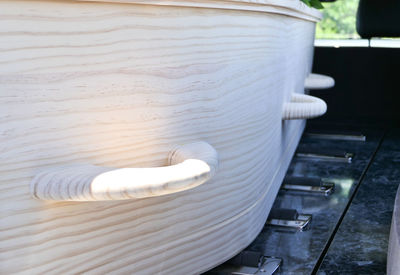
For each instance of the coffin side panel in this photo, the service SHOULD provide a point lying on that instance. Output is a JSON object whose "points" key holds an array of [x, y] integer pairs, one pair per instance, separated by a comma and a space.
{"points": [[120, 86]]}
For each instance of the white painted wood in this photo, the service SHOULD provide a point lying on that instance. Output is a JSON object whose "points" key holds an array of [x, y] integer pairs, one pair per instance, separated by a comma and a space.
{"points": [[191, 165], [318, 82], [293, 8], [303, 107], [119, 85]]}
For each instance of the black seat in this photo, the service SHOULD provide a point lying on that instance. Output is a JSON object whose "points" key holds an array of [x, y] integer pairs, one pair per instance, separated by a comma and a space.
{"points": [[378, 18]]}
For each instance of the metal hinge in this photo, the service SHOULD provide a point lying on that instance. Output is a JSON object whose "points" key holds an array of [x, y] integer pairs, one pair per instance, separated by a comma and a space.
{"points": [[308, 185]]}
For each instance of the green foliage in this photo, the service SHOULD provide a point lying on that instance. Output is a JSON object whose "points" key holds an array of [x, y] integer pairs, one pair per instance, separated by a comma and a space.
{"points": [[313, 3], [339, 20]]}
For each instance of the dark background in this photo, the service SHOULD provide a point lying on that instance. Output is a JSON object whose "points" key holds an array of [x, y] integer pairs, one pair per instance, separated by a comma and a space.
{"points": [[367, 83]]}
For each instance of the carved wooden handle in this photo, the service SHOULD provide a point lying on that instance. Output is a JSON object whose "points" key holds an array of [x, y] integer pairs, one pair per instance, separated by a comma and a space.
{"points": [[190, 165], [303, 107], [318, 82]]}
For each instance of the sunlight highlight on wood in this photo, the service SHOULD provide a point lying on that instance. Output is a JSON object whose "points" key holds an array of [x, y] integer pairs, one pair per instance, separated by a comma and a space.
{"points": [[191, 165]]}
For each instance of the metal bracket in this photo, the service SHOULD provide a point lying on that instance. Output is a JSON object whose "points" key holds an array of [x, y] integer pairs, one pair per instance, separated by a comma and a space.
{"points": [[289, 219], [326, 155], [266, 266], [308, 185], [337, 135]]}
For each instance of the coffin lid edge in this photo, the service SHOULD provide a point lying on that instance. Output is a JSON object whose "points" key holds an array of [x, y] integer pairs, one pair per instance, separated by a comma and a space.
{"points": [[293, 8]]}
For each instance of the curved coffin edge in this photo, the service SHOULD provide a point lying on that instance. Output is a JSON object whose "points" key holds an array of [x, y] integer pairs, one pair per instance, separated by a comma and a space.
{"points": [[190, 165], [318, 82], [258, 212], [303, 107], [393, 263], [285, 7]]}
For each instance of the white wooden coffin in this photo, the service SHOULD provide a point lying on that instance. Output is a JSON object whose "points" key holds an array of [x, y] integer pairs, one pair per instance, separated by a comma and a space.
{"points": [[209, 90]]}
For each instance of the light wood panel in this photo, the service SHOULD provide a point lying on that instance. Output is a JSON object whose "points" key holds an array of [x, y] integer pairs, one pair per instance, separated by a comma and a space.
{"points": [[119, 85]]}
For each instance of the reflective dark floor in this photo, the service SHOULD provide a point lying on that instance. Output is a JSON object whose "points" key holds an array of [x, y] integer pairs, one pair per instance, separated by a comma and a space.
{"points": [[360, 245], [350, 229]]}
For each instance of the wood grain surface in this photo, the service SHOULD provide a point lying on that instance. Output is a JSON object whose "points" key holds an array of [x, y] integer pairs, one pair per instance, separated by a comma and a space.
{"points": [[119, 85], [292, 8], [189, 166]]}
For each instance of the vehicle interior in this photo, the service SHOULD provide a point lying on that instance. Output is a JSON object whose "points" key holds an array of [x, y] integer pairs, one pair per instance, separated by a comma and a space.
{"points": [[199, 137]]}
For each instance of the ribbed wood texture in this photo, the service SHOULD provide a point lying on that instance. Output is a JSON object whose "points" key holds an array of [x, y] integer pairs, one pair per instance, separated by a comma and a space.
{"points": [[119, 85], [303, 107]]}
